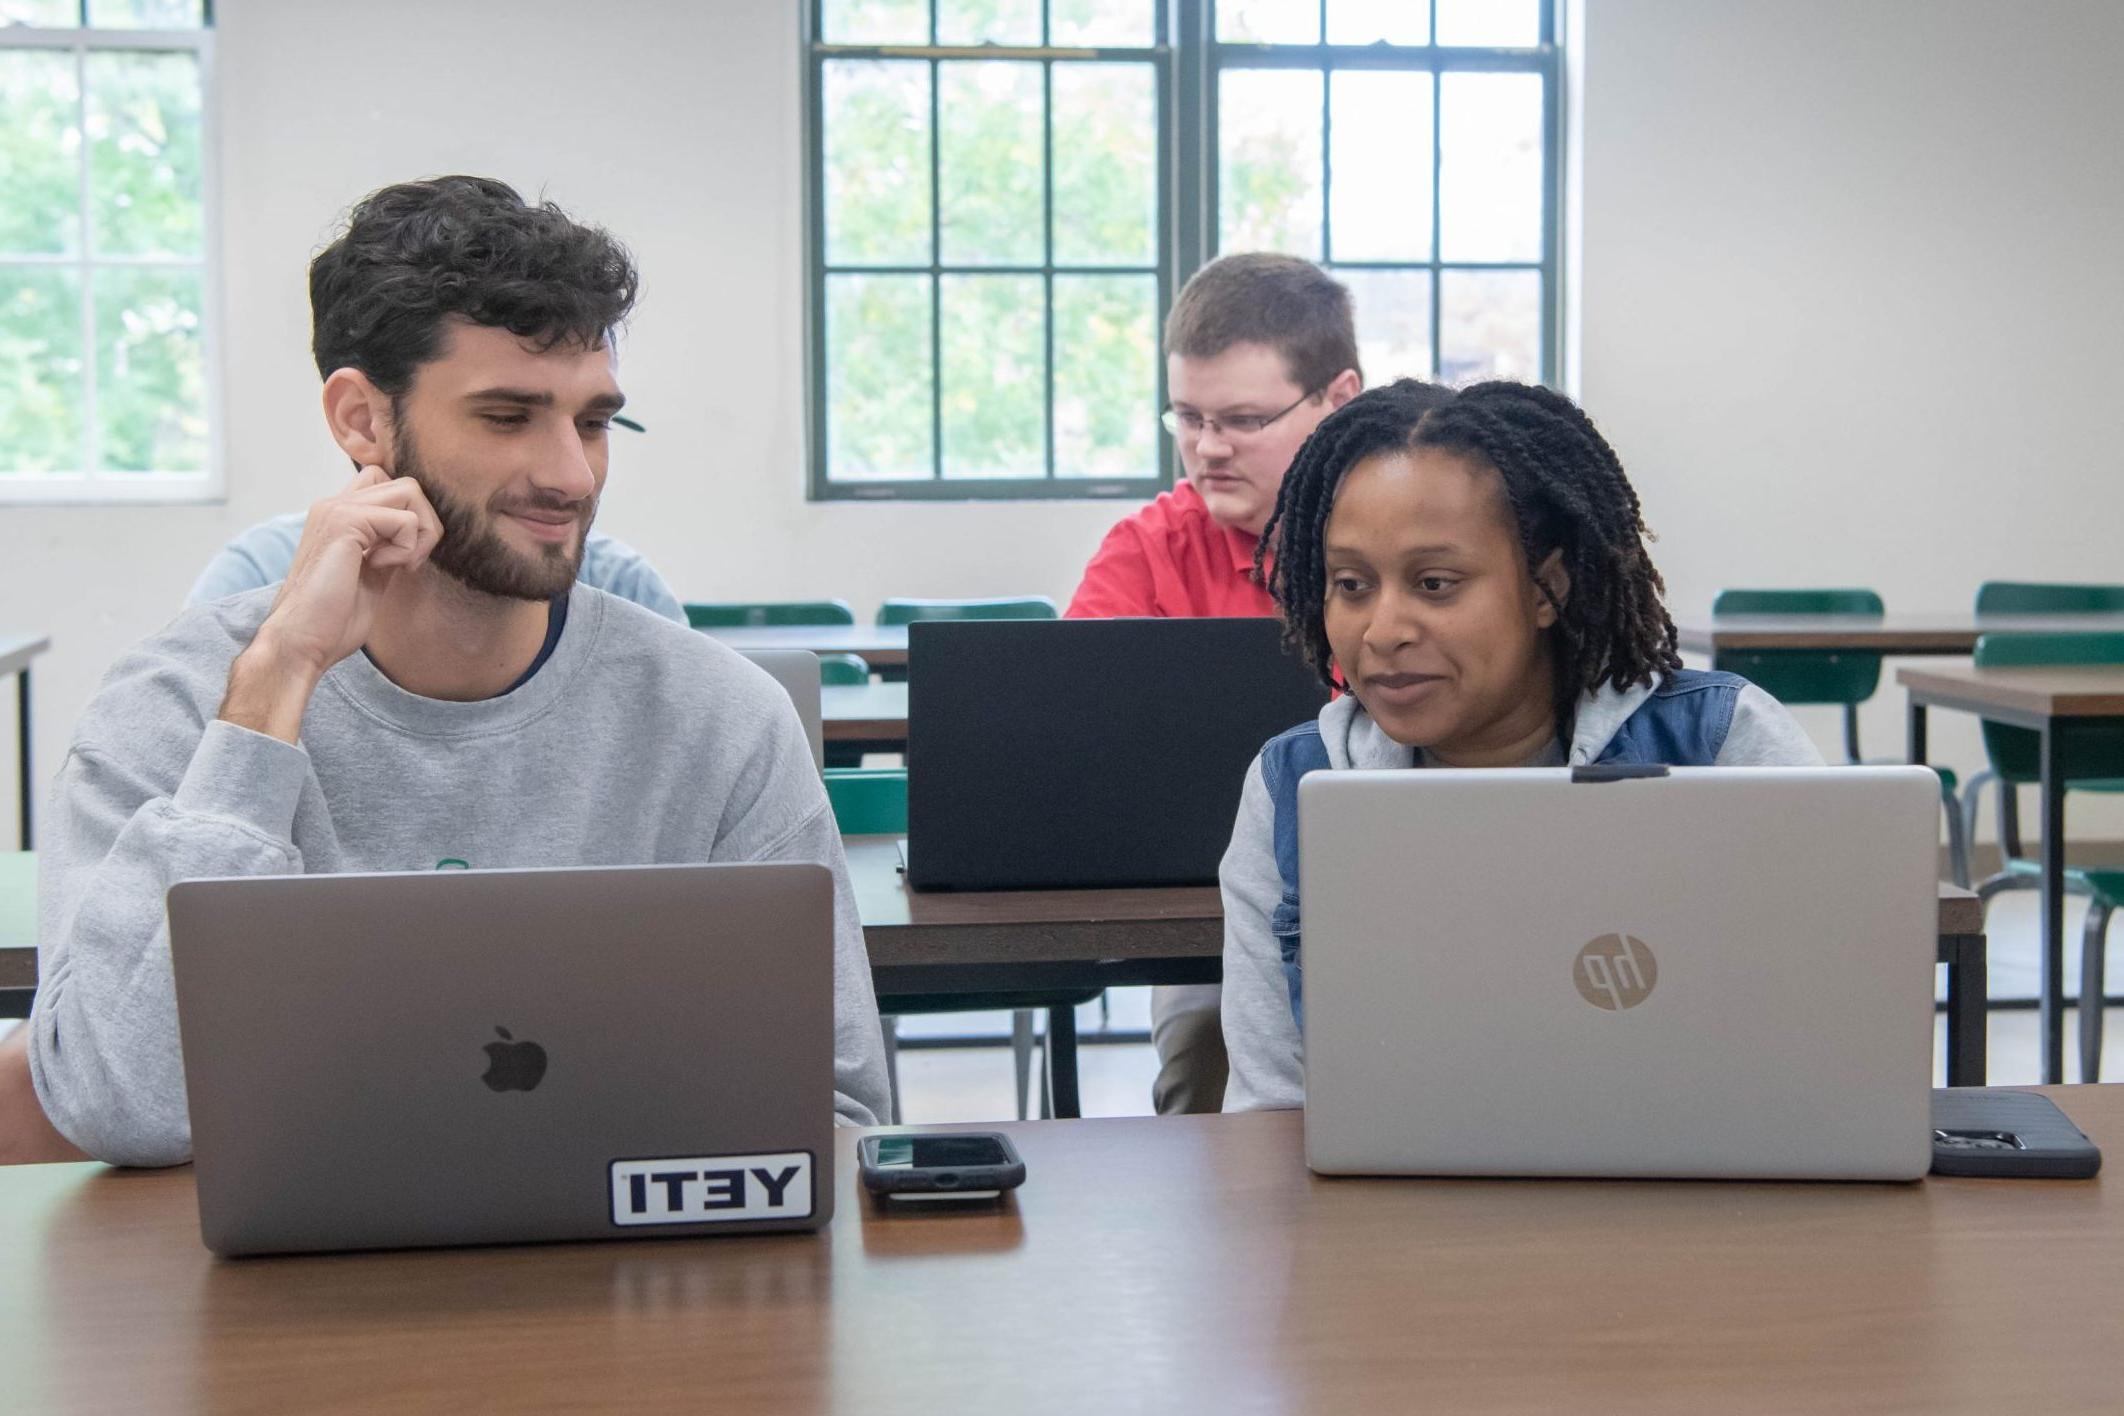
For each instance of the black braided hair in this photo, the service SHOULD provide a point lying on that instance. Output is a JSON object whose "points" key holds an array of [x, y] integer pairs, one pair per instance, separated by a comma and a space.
{"points": [[1568, 493]]}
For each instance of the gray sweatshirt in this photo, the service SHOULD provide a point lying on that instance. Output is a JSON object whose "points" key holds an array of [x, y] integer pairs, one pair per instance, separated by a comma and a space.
{"points": [[1267, 1054], [638, 742]]}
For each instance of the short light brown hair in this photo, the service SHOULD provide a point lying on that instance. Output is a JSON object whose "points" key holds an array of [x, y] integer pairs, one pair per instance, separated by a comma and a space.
{"points": [[1257, 297]]}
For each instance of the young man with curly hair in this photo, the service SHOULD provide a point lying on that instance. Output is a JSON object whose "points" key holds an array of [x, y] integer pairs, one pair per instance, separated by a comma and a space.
{"points": [[430, 682]]}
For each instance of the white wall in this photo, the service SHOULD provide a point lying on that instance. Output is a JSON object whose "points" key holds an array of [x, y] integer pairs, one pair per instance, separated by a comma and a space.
{"points": [[1849, 293], [1852, 295]]}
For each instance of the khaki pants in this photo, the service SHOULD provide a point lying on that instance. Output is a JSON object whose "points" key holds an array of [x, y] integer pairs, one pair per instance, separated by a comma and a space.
{"points": [[1187, 1028]]}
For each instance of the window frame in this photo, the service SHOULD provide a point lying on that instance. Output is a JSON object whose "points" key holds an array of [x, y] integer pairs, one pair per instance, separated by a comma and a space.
{"points": [[1189, 60], [93, 485]]}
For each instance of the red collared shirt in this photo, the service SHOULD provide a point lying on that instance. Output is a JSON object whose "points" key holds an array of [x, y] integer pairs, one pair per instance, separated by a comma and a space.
{"points": [[1172, 561]]}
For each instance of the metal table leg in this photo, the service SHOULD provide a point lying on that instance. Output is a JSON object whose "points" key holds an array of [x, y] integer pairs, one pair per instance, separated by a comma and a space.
{"points": [[2053, 984]]}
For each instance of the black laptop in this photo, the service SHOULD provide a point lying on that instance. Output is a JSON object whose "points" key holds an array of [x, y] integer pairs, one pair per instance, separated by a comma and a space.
{"points": [[1054, 753]]}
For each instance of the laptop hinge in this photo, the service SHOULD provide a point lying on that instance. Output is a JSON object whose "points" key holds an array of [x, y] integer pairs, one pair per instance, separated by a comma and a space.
{"points": [[1617, 771]]}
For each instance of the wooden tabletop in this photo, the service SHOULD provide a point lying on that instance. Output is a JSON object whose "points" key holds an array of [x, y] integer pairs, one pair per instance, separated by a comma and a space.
{"points": [[907, 929], [1151, 1264], [864, 712], [881, 644], [16, 650], [1884, 634], [2050, 692]]}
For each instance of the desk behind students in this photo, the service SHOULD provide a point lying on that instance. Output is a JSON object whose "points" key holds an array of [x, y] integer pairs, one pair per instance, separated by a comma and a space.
{"points": [[1176, 1263]]}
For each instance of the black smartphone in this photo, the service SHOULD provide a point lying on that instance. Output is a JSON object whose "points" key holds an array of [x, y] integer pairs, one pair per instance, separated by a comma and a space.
{"points": [[944, 1165], [1989, 1131]]}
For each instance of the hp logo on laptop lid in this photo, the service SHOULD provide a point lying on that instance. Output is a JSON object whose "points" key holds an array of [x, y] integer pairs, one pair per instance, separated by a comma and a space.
{"points": [[1615, 971]]}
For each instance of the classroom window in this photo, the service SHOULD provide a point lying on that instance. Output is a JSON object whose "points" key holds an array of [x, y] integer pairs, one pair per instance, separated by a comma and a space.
{"points": [[106, 284], [1004, 195]]}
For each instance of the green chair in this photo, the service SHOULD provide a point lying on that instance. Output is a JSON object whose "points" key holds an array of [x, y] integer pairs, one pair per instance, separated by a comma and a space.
{"points": [[1837, 677], [873, 802], [732, 615], [2026, 597], [844, 670], [2093, 760], [18, 921], [1032, 607]]}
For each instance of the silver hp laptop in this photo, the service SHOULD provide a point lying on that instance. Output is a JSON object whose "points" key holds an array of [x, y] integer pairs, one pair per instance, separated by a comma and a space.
{"points": [[797, 671], [479, 1057], [1714, 973]]}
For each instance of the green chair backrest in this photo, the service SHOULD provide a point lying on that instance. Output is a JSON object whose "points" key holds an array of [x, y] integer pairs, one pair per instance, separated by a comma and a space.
{"points": [[843, 669], [772, 612], [1802, 675], [2016, 753], [2023, 597], [868, 801], [1031, 607]]}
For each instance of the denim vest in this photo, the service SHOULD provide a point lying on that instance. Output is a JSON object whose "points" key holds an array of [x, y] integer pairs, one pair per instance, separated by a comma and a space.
{"points": [[1683, 724]]}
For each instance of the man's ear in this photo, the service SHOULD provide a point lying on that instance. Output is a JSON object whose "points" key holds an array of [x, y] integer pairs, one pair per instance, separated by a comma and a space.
{"points": [[359, 416], [1343, 387], [1556, 582]]}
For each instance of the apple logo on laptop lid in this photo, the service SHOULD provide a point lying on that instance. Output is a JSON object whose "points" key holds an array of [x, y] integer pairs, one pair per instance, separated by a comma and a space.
{"points": [[513, 1065]]}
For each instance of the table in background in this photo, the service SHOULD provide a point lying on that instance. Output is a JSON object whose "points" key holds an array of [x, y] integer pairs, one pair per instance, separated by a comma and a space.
{"points": [[883, 645], [1184, 1263], [2053, 703], [1874, 634], [871, 716], [16, 651]]}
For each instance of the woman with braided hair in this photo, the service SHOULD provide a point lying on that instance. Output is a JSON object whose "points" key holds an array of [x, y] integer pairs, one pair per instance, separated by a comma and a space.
{"points": [[1475, 575]]}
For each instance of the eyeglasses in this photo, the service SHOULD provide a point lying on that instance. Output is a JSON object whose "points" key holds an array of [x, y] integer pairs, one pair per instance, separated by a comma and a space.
{"points": [[1190, 424]]}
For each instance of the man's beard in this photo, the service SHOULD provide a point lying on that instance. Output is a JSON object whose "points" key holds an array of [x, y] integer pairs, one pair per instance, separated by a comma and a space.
{"points": [[472, 549]]}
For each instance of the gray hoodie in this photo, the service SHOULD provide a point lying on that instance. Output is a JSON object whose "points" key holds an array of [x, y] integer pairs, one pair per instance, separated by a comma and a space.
{"points": [[1261, 1036], [638, 742]]}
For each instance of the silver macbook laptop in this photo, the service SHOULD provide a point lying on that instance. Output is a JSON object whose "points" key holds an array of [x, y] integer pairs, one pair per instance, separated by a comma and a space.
{"points": [[477, 1057], [797, 671], [1713, 973]]}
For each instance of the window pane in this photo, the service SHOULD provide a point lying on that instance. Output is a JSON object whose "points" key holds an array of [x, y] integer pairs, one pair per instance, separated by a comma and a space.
{"points": [[1370, 21], [988, 21], [878, 377], [875, 22], [1393, 309], [40, 371], [1106, 169], [1268, 21], [1489, 178], [877, 162], [995, 376], [51, 14], [1119, 23], [990, 163], [40, 147], [1504, 23], [1106, 376], [144, 153], [1268, 163], [150, 371], [1381, 136], [1489, 325], [146, 14]]}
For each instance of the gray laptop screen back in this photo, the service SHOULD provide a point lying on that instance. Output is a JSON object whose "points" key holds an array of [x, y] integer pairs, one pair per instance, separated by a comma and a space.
{"points": [[1724, 972], [797, 671], [337, 1033]]}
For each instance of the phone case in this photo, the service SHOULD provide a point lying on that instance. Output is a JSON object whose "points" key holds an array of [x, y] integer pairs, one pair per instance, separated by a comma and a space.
{"points": [[942, 1181], [1993, 1132]]}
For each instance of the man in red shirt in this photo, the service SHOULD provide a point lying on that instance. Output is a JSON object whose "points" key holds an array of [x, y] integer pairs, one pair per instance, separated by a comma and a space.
{"points": [[1258, 349]]}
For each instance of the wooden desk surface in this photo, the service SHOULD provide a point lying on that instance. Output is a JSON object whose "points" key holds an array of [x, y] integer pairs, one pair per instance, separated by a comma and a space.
{"points": [[16, 650], [1153, 1264], [2063, 692], [1885, 634], [880, 644], [863, 712]]}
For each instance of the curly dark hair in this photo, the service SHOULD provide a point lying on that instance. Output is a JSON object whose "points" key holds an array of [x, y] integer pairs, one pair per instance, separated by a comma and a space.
{"points": [[416, 253], [1568, 493]]}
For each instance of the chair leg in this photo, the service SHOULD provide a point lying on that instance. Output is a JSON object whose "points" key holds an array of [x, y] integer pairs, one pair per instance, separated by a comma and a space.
{"points": [[892, 1069], [1851, 726], [1972, 800], [1021, 1052], [2009, 818], [1957, 843], [2092, 995]]}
